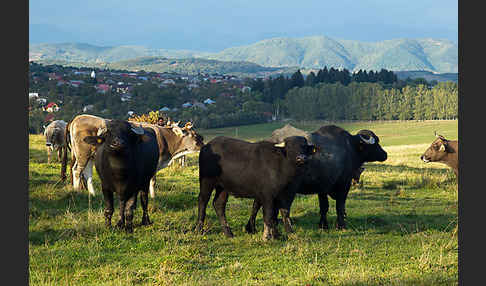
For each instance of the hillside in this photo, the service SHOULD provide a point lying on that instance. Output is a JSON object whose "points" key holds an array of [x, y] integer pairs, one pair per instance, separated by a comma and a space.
{"points": [[317, 52], [309, 52], [180, 66], [194, 66]]}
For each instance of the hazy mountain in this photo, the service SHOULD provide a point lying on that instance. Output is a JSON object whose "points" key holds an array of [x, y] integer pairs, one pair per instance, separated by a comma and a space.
{"points": [[317, 52], [308, 52]]}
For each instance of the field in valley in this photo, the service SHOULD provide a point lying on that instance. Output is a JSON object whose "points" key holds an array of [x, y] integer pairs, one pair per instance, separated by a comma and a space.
{"points": [[402, 225]]}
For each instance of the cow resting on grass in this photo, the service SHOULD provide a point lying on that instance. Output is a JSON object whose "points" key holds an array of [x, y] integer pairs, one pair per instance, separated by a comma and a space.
{"points": [[54, 134], [264, 171], [126, 159], [331, 171], [443, 151]]}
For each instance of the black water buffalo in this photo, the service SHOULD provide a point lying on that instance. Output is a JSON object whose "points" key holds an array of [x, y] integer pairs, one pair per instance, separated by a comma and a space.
{"points": [[443, 151], [278, 135], [126, 159], [263, 171], [331, 171]]}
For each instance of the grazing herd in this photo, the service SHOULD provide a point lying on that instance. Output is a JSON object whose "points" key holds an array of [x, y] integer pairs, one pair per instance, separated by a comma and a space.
{"points": [[127, 155]]}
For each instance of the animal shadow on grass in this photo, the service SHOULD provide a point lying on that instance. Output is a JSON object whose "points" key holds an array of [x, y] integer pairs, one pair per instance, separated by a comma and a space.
{"points": [[356, 225], [74, 201], [51, 236]]}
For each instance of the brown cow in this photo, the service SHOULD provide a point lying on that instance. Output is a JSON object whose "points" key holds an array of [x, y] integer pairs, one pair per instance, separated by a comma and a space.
{"points": [[443, 151], [174, 142], [82, 153]]}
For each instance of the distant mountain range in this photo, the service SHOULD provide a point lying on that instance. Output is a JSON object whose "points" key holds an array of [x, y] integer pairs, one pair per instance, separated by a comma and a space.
{"points": [[434, 55]]}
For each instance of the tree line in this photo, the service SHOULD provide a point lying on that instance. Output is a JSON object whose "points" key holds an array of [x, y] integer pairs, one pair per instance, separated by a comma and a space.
{"points": [[370, 101]]}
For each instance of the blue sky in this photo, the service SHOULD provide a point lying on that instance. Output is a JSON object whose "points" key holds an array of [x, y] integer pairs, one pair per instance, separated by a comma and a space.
{"points": [[215, 25]]}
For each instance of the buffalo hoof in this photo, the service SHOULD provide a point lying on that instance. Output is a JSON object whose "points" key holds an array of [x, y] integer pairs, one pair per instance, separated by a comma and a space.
{"points": [[227, 232], [323, 225], [120, 224], [341, 226], [250, 228], [146, 221], [269, 234], [129, 228]]}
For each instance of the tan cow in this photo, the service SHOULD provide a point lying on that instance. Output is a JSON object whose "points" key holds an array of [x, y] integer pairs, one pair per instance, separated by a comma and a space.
{"points": [[174, 142], [443, 151], [82, 153]]}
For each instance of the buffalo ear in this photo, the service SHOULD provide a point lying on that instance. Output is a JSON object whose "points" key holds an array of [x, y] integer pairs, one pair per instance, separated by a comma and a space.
{"points": [[94, 140]]}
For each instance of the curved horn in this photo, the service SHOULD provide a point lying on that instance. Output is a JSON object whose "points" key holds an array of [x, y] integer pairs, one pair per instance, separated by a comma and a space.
{"points": [[282, 144], [369, 141], [138, 130], [188, 125], [101, 130], [438, 135]]}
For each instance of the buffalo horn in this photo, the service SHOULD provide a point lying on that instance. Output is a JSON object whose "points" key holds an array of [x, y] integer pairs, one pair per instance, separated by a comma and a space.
{"points": [[369, 141], [101, 130], [188, 125]]}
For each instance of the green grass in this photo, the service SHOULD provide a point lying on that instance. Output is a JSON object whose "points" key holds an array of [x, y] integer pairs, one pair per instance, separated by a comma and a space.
{"points": [[402, 226]]}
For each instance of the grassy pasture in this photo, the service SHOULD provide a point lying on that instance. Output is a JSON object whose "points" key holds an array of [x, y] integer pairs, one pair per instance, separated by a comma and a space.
{"points": [[402, 226]]}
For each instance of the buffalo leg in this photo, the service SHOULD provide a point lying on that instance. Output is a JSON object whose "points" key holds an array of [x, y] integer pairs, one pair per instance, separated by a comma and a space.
{"points": [[285, 213], [341, 213], [144, 202], [283, 204], [323, 208], [129, 208], [108, 196], [340, 206], [121, 222], [270, 230], [205, 190], [219, 204], [250, 226]]}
